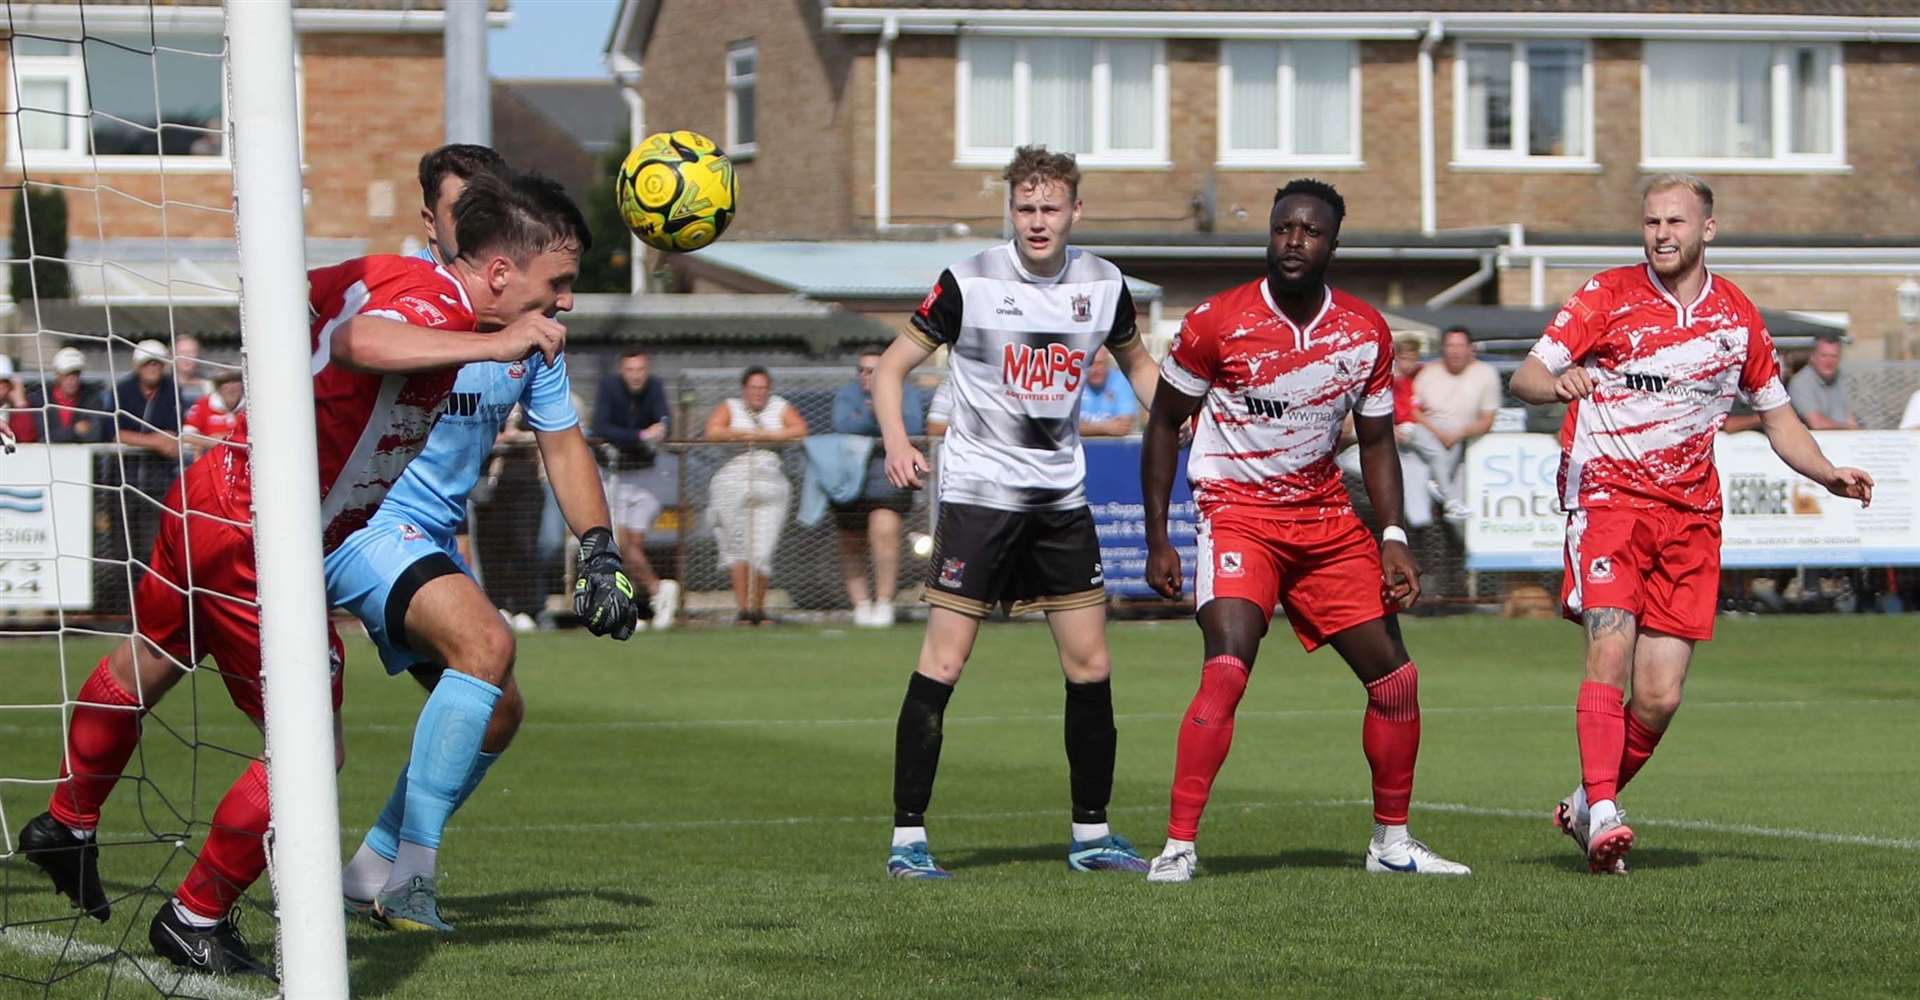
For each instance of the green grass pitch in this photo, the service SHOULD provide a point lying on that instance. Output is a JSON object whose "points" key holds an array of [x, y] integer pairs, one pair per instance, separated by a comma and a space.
{"points": [[705, 813]]}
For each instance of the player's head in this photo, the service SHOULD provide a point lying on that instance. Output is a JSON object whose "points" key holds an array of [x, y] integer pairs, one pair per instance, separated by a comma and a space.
{"points": [[756, 387], [1825, 359], [634, 364], [1456, 348], [444, 174], [1676, 223], [1406, 356], [522, 237], [229, 386], [1303, 230], [1043, 198], [865, 366]]}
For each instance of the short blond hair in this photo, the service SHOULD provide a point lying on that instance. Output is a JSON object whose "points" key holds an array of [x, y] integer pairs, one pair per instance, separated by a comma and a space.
{"points": [[1035, 165], [1669, 181]]}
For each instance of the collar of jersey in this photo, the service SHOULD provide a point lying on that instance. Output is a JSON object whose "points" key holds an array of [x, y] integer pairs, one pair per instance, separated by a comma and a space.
{"points": [[1034, 279], [455, 282], [1685, 312], [1303, 335]]}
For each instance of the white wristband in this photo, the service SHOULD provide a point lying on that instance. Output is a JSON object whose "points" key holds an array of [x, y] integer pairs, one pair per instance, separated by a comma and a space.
{"points": [[1393, 533]]}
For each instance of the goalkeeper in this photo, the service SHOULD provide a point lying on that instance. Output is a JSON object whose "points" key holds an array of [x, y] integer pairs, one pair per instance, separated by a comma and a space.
{"points": [[403, 577]]}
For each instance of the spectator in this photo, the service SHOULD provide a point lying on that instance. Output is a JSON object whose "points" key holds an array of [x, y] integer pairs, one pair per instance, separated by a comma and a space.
{"points": [[1107, 406], [1454, 402], [1816, 392], [146, 403], [872, 521], [1417, 502], [1909, 420], [630, 414], [214, 416], [17, 422], [74, 414], [194, 387], [749, 494]]}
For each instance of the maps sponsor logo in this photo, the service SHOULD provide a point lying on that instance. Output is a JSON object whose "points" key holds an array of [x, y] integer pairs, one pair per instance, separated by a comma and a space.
{"points": [[1054, 367]]}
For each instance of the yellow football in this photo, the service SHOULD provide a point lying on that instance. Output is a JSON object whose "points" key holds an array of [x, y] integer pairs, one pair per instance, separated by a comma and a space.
{"points": [[677, 191]]}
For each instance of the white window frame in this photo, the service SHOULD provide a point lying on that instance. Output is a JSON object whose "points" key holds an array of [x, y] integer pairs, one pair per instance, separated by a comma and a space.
{"points": [[735, 84], [1101, 156], [1262, 159], [72, 68], [1780, 83], [1516, 157]]}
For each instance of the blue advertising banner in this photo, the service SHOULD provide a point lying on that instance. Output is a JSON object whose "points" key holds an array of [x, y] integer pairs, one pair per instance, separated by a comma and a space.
{"points": [[1113, 494]]}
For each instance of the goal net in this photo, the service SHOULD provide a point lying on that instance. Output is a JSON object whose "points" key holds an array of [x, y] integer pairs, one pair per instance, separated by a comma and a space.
{"points": [[119, 330]]}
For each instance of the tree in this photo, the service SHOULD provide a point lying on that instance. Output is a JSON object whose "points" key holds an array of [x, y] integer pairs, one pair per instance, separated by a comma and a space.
{"points": [[605, 268], [45, 240]]}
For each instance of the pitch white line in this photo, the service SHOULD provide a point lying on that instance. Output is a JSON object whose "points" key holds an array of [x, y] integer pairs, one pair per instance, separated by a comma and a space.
{"points": [[1702, 826], [41, 944]]}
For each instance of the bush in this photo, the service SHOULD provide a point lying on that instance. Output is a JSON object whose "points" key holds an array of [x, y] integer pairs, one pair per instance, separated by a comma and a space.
{"points": [[47, 239], [605, 267]]}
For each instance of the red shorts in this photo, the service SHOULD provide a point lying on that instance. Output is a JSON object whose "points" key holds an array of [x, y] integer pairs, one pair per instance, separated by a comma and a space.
{"points": [[1323, 572], [201, 596], [1661, 565]]}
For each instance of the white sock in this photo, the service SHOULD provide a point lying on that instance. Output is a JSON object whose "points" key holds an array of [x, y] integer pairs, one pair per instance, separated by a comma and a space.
{"points": [[1175, 847], [1085, 832], [82, 834], [413, 859], [1580, 804], [192, 919], [1385, 834], [1600, 812], [907, 836], [366, 874]]}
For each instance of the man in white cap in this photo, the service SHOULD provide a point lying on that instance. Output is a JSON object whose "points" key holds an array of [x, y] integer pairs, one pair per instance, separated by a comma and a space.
{"points": [[147, 405], [72, 411]]}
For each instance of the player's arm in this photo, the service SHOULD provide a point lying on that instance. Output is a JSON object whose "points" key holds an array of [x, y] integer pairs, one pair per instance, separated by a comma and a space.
{"points": [[1143, 373], [1796, 447], [603, 597], [1159, 454], [1538, 385], [386, 343], [905, 463], [1380, 471]]}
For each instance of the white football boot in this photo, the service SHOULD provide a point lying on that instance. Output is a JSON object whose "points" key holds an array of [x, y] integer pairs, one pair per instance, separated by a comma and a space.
{"points": [[1177, 863], [1409, 857]]}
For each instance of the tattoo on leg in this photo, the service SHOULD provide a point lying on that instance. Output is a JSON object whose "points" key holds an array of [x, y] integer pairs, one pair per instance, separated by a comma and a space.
{"points": [[1608, 621]]}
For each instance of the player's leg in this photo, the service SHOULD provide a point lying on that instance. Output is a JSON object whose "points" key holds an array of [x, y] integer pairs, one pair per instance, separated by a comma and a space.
{"points": [[972, 556], [1607, 557], [1660, 664], [1236, 586], [1080, 634], [883, 539]]}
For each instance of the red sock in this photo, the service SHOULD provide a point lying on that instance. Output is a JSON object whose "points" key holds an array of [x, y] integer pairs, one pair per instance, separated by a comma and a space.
{"points": [[235, 852], [1390, 735], [1206, 734], [1599, 719], [1640, 743], [100, 741]]}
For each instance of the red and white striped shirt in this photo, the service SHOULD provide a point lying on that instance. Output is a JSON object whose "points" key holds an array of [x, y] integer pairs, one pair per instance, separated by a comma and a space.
{"points": [[1664, 376], [369, 425], [1276, 397]]}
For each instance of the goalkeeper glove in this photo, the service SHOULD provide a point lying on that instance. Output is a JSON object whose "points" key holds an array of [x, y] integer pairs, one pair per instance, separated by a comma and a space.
{"points": [[603, 597]]}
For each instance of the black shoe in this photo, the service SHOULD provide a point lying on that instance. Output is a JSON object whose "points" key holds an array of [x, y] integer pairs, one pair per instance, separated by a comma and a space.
{"points": [[219, 950], [72, 862], [745, 618]]}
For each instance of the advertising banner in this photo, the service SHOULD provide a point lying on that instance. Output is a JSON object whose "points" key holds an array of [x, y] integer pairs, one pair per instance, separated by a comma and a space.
{"points": [[46, 527], [1113, 494]]}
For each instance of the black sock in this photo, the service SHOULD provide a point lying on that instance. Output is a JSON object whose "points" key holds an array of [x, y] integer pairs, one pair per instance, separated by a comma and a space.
{"points": [[1090, 748], [916, 748]]}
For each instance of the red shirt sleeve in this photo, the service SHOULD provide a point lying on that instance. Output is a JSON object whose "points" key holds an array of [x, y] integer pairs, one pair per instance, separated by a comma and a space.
{"points": [[1194, 361], [1760, 373], [1378, 400], [1576, 328]]}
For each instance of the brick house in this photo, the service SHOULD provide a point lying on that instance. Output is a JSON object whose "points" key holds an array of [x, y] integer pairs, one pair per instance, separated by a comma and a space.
{"points": [[889, 119], [371, 85]]}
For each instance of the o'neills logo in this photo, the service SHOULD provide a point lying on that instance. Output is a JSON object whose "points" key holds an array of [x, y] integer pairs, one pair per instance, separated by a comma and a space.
{"points": [[1034, 369]]}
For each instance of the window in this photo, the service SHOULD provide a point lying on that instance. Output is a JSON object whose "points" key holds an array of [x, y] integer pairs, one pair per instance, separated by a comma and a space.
{"points": [[149, 97], [1768, 105], [743, 60], [1291, 102], [1523, 104], [1102, 100]]}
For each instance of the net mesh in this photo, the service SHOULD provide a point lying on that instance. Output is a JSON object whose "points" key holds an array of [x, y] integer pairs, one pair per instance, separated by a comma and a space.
{"points": [[115, 134]]}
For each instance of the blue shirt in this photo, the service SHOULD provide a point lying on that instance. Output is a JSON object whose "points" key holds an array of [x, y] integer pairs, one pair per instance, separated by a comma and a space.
{"points": [[432, 493], [853, 411], [1115, 399]]}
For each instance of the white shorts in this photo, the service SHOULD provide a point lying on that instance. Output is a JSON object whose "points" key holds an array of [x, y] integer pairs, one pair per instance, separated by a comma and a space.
{"points": [[632, 504]]}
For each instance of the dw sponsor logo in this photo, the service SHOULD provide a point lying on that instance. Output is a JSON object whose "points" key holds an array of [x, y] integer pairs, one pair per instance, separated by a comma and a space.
{"points": [[1646, 383], [23, 500], [1271, 408], [1032, 369]]}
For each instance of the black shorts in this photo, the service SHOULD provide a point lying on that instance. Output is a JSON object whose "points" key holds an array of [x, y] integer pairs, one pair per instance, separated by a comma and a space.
{"points": [[1034, 560]]}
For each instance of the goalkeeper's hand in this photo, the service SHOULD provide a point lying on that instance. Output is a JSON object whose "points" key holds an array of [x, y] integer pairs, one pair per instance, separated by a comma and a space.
{"points": [[603, 597]]}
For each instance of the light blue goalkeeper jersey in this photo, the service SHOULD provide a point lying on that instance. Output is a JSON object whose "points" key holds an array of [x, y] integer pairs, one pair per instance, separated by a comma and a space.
{"points": [[432, 493]]}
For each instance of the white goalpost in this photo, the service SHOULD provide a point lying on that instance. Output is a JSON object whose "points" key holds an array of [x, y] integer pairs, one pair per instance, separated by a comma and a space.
{"points": [[304, 843]]}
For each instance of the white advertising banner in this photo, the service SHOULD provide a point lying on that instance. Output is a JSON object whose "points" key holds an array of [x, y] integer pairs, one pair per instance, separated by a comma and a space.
{"points": [[46, 527], [1772, 515]]}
